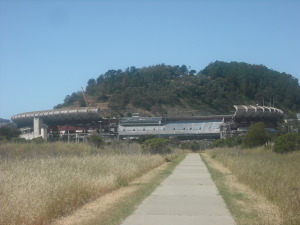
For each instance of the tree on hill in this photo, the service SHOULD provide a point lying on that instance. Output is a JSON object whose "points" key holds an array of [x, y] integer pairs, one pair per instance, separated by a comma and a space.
{"points": [[4, 121], [216, 88], [256, 82]]}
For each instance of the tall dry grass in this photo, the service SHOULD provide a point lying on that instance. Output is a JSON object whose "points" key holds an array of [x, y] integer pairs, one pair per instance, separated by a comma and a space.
{"points": [[31, 150], [37, 187], [276, 176]]}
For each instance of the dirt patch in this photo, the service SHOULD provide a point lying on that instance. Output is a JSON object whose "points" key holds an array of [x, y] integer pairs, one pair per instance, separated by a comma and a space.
{"points": [[106, 201], [252, 203]]}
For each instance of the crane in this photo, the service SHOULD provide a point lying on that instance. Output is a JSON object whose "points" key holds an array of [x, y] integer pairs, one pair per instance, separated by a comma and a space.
{"points": [[86, 102]]}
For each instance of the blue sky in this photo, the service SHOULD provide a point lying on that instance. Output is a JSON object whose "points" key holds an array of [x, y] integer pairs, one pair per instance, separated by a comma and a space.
{"points": [[49, 49]]}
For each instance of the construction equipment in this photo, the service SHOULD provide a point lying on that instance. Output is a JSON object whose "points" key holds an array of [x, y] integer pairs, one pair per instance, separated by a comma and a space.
{"points": [[85, 100]]}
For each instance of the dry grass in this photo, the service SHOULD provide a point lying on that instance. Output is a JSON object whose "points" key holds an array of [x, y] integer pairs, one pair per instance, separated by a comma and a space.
{"points": [[246, 205], [272, 175], [36, 187], [57, 149], [99, 209]]}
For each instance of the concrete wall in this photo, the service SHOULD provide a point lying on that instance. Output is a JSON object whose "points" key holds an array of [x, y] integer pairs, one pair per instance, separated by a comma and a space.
{"points": [[39, 130], [29, 136]]}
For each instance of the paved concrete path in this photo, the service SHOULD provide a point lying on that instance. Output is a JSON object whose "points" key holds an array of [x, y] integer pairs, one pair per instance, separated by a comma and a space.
{"points": [[187, 197]]}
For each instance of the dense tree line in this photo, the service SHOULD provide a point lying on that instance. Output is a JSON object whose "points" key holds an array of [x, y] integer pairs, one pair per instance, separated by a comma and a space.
{"points": [[214, 89], [255, 83]]}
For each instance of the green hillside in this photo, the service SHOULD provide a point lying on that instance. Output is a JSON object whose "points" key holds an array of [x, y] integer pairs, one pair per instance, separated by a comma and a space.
{"points": [[175, 90]]}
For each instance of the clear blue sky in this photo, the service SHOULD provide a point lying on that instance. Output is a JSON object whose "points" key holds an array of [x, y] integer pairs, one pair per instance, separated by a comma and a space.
{"points": [[49, 49]]}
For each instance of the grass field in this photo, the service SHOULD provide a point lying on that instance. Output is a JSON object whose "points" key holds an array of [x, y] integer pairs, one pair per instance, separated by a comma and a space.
{"points": [[39, 183], [275, 176]]}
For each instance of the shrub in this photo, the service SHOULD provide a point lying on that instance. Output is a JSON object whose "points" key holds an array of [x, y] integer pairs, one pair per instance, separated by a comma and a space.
{"points": [[6, 133], [287, 143], [174, 142], [38, 140], [156, 146], [228, 142], [95, 141], [144, 138], [193, 145], [219, 143], [18, 140], [257, 135]]}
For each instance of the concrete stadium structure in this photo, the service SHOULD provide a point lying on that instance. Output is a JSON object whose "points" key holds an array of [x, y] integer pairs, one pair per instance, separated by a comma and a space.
{"points": [[36, 124], [182, 127], [75, 124], [244, 116]]}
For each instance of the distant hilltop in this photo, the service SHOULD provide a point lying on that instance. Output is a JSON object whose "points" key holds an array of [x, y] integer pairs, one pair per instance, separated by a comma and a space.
{"points": [[179, 91], [5, 122]]}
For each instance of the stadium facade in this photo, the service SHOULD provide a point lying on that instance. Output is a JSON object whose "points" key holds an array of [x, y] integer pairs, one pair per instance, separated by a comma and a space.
{"points": [[76, 124]]}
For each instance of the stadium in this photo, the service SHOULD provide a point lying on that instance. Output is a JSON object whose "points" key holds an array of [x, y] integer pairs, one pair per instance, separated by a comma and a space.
{"points": [[76, 124]]}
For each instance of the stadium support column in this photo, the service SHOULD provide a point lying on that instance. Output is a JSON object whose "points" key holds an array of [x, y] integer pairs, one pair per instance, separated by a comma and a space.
{"points": [[44, 132], [37, 126]]}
